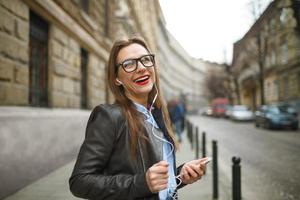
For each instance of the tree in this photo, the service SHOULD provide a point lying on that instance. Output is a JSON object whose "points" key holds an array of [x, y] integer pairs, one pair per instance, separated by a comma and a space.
{"points": [[216, 84], [261, 45]]}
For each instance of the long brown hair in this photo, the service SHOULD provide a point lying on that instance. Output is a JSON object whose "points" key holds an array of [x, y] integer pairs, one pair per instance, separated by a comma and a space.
{"points": [[133, 117]]}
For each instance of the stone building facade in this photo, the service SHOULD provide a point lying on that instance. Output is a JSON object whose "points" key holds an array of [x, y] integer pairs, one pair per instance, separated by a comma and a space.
{"points": [[54, 53], [266, 61], [13, 54]]}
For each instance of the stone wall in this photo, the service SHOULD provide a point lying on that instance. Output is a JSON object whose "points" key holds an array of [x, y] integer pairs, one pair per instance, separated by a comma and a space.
{"points": [[65, 71], [66, 38], [14, 39], [97, 81]]}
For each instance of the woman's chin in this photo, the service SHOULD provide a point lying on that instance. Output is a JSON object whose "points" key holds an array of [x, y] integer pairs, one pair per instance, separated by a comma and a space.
{"points": [[145, 90]]}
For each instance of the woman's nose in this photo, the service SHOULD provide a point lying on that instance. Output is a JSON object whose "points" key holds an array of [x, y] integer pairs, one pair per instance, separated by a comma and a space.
{"points": [[140, 66]]}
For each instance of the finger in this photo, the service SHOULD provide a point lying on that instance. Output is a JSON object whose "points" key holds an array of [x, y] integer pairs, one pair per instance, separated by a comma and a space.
{"points": [[162, 163], [186, 177], [160, 187], [197, 169], [201, 160], [203, 167], [156, 176], [159, 170], [158, 182], [191, 171], [184, 174]]}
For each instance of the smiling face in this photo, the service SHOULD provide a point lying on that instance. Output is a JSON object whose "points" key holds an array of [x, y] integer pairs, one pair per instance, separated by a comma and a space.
{"points": [[138, 83]]}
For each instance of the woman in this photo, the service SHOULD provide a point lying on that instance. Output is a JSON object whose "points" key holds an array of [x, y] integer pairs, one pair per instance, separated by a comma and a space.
{"points": [[129, 148]]}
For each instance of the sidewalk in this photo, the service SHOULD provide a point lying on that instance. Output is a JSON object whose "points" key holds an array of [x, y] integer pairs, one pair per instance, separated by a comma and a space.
{"points": [[35, 142], [55, 186], [201, 190]]}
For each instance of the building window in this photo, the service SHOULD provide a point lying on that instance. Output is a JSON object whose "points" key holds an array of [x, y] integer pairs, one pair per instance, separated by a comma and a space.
{"points": [[284, 53], [286, 87], [283, 16], [38, 61], [272, 26], [267, 89], [266, 29], [276, 90], [279, 88], [298, 81], [106, 13], [85, 5], [273, 57], [84, 88]]}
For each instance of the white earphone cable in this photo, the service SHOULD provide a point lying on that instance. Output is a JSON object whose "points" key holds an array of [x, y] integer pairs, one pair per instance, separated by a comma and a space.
{"points": [[175, 195]]}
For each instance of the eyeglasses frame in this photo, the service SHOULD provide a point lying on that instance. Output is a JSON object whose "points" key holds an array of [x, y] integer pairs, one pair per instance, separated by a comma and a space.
{"points": [[137, 60]]}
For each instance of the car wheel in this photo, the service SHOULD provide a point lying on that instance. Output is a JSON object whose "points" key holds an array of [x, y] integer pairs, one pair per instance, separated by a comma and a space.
{"points": [[268, 125], [295, 128], [256, 124]]}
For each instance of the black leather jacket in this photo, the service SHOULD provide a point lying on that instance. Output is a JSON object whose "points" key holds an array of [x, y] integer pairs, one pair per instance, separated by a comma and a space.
{"points": [[104, 168]]}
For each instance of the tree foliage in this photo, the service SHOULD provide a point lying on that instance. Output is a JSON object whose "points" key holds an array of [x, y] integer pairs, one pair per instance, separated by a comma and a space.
{"points": [[216, 84]]}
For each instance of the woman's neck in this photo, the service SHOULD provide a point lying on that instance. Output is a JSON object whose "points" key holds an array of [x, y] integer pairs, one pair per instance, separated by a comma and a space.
{"points": [[140, 100]]}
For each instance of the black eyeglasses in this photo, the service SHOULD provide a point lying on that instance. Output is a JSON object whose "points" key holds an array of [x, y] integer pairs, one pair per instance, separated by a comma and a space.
{"points": [[130, 65]]}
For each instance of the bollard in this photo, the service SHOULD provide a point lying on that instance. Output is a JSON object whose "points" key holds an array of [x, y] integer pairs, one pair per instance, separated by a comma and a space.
{"points": [[188, 131], [215, 170], [236, 178], [197, 143], [192, 136], [203, 144]]}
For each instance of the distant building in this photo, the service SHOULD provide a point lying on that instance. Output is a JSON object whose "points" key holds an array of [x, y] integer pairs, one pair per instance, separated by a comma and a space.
{"points": [[181, 75], [268, 57]]}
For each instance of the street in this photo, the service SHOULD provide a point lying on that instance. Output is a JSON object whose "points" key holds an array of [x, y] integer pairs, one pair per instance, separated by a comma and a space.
{"points": [[270, 158]]}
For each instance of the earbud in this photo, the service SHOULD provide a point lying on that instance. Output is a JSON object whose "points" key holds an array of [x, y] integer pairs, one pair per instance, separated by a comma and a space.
{"points": [[119, 81]]}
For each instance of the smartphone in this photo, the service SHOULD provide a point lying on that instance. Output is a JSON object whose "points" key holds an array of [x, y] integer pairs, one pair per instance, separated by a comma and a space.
{"points": [[208, 159]]}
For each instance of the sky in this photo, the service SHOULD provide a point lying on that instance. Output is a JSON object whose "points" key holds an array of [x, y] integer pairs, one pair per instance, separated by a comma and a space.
{"points": [[207, 29]]}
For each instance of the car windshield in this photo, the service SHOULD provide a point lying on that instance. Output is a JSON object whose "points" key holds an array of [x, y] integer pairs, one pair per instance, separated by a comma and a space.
{"points": [[228, 107], [240, 108], [279, 109]]}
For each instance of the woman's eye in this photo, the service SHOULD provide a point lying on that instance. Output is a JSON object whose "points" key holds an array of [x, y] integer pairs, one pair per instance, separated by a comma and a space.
{"points": [[129, 63], [146, 59]]}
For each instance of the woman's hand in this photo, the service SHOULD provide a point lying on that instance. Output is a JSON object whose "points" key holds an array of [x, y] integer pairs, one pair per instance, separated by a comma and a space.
{"points": [[157, 176], [193, 171]]}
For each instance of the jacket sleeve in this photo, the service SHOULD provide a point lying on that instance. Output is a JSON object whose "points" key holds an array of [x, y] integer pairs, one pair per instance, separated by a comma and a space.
{"points": [[181, 184], [88, 180]]}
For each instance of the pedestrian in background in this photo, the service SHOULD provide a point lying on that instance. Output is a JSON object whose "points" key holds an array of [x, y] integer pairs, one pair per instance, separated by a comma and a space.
{"points": [[129, 146], [177, 115]]}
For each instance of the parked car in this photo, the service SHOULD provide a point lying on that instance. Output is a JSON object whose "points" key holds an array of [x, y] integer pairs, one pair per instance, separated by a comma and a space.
{"points": [[290, 109], [206, 111], [228, 111], [218, 106], [276, 116], [241, 113]]}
